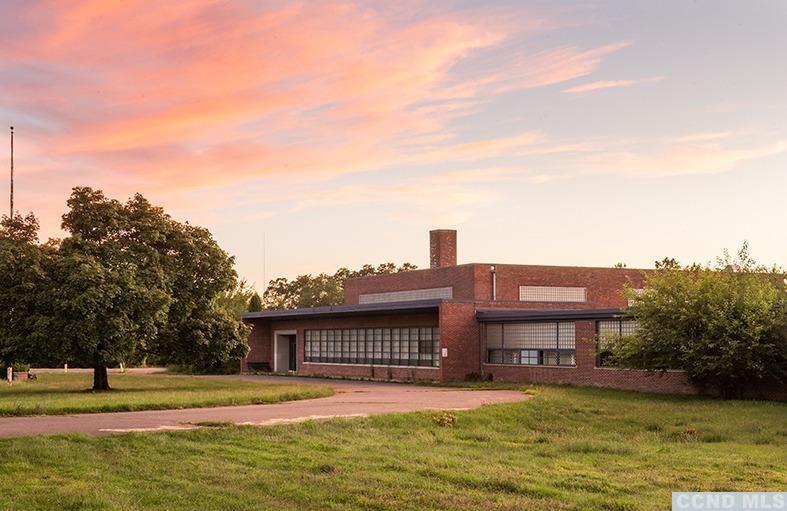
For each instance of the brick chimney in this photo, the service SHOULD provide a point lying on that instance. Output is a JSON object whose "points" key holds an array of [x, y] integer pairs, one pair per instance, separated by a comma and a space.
{"points": [[442, 248]]}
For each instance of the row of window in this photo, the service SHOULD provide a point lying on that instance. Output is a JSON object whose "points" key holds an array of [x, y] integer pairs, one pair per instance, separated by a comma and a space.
{"points": [[405, 346], [549, 343], [532, 357]]}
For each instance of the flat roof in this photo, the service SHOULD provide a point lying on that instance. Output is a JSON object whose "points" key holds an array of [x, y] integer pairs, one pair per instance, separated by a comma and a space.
{"points": [[511, 265], [488, 315], [347, 310]]}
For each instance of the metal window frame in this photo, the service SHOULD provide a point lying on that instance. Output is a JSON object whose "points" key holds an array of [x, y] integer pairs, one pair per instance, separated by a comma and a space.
{"points": [[413, 343], [541, 351]]}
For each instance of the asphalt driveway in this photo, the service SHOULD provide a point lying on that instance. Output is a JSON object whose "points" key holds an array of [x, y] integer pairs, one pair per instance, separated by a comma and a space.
{"points": [[352, 399]]}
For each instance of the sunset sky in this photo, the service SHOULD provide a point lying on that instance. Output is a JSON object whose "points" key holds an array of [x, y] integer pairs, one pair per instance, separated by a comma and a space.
{"points": [[341, 132]]}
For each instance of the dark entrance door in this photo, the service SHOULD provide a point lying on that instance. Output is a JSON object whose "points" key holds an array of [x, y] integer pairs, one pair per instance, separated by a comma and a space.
{"points": [[293, 354]]}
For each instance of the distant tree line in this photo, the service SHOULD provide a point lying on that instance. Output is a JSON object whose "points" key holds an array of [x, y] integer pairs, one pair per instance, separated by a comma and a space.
{"points": [[322, 289], [127, 283]]}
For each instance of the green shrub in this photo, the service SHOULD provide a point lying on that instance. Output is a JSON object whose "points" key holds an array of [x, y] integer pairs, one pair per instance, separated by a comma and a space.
{"points": [[725, 326]]}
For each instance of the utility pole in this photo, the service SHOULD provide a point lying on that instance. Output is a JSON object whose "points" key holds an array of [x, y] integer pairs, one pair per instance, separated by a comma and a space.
{"points": [[11, 215]]}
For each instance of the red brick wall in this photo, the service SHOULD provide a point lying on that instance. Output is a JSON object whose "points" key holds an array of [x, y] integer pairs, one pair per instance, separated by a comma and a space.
{"points": [[459, 277], [460, 334], [604, 285], [586, 372], [260, 344], [473, 282], [372, 372]]}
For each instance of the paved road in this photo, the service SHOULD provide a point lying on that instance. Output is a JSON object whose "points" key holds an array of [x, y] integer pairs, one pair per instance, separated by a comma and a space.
{"points": [[352, 399]]}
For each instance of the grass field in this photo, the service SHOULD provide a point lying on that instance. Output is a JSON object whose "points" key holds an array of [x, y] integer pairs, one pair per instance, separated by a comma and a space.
{"points": [[567, 448], [53, 394]]}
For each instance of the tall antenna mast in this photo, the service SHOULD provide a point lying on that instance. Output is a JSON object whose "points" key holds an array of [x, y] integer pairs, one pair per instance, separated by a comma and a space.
{"points": [[264, 276], [11, 216]]}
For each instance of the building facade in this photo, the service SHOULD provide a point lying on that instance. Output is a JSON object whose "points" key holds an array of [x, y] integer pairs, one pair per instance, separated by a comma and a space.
{"points": [[522, 323]]}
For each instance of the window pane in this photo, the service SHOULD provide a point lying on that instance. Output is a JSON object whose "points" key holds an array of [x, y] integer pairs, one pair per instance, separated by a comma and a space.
{"points": [[510, 357], [494, 335], [529, 357], [567, 336], [536, 335], [568, 358]]}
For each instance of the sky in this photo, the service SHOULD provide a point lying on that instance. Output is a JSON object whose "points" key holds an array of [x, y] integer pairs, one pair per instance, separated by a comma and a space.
{"points": [[312, 135]]}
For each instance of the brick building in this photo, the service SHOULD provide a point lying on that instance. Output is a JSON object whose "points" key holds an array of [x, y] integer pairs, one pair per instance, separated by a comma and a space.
{"points": [[539, 324]]}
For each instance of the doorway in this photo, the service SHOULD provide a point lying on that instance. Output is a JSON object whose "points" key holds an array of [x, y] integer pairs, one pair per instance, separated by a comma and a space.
{"points": [[285, 352]]}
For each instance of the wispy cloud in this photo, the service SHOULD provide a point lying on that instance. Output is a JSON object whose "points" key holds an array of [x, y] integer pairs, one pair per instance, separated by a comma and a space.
{"points": [[673, 156], [180, 99], [704, 137], [608, 84], [211, 92]]}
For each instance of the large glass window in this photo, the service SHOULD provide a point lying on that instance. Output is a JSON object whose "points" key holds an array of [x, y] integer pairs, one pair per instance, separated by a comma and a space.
{"points": [[607, 331], [551, 343], [405, 346]]}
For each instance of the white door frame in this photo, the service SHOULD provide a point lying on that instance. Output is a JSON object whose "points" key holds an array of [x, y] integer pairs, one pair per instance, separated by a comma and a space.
{"points": [[276, 334]]}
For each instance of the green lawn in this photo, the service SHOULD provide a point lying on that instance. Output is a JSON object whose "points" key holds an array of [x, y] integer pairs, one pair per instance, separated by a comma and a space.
{"points": [[567, 448], [53, 394]]}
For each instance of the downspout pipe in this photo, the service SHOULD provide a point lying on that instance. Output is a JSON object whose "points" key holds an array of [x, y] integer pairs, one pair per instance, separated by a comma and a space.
{"points": [[494, 283]]}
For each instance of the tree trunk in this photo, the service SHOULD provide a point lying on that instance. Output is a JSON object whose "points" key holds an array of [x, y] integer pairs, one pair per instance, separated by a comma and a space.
{"points": [[100, 379]]}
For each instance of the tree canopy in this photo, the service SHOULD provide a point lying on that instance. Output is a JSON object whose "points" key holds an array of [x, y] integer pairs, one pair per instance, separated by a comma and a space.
{"points": [[725, 325], [127, 282], [236, 300], [255, 303], [24, 284], [322, 289]]}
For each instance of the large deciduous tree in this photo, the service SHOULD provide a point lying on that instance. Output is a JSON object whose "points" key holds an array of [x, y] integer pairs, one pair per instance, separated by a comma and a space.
{"points": [[726, 326], [236, 300], [200, 333], [128, 281], [24, 287], [322, 289], [110, 295]]}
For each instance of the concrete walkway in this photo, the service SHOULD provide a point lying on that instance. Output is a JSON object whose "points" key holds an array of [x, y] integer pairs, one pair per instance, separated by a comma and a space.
{"points": [[352, 399]]}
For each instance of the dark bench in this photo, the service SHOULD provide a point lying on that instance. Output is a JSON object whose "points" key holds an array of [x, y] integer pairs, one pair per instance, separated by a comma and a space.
{"points": [[259, 367]]}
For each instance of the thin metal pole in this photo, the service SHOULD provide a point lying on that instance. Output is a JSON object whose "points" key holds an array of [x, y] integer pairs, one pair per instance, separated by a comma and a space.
{"points": [[264, 264], [12, 173]]}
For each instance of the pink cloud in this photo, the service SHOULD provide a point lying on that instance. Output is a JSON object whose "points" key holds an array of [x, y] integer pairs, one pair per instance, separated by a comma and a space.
{"points": [[210, 92], [167, 97], [608, 84]]}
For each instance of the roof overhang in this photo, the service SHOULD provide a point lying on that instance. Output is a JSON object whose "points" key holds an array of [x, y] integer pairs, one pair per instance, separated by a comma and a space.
{"points": [[365, 309], [503, 315]]}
